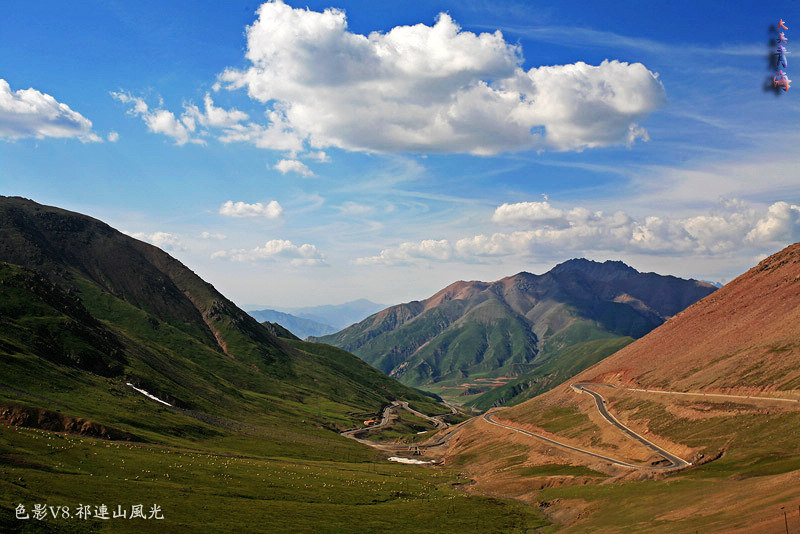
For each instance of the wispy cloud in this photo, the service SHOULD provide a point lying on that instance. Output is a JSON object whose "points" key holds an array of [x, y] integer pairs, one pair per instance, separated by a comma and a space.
{"points": [[163, 240], [195, 125], [587, 37], [355, 209], [213, 235]]}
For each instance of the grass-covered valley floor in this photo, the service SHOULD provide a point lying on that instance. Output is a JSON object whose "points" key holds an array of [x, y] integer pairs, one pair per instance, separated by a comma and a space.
{"points": [[200, 489]]}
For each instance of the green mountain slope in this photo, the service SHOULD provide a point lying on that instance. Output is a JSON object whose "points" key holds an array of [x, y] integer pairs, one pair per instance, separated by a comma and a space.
{"points": [[562, 365], [472, 336], [246, 438], [86, 310]]}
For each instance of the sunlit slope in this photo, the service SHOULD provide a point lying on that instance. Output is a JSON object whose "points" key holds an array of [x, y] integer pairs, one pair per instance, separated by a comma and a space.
{"points": [[744, 337], [513, 326], [723, 390]]}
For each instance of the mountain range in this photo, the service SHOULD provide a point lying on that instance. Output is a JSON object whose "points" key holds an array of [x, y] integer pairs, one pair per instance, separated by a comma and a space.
{"points": [[744, 337], [299, 326], [471, 336], [337, 316]]}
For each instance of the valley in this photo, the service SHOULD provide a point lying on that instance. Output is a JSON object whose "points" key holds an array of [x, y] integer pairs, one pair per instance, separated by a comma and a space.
{"points": [[247, 417], [142, 385]]}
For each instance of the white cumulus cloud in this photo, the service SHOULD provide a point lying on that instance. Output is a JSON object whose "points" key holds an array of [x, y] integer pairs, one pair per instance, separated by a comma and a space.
{"points": [[194, 124], [432, 88], [293, 165], [31, 113], [526, 211], [271, 210], [320, 156], [782, 221], [543, 230], [273, 250], [162, 121]]}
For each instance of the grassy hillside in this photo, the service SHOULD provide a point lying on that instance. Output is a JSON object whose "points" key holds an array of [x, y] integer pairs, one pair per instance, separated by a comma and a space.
{"points": [[251, 436], [473, 336], [562, 365]]}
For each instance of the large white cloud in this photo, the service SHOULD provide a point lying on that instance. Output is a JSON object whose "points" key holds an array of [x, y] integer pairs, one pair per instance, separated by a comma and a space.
{"points": [[274, 250], [432, 88], [271, 210], [31, 113], [544, 230]]}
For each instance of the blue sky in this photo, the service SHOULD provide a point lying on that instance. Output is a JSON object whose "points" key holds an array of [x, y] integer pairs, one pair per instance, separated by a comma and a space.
{"points": [[339, 150]]}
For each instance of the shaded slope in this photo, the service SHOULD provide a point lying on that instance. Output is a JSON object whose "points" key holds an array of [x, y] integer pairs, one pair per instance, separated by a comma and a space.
{"points": [[87, 304], [54, 325], [564, 364]]}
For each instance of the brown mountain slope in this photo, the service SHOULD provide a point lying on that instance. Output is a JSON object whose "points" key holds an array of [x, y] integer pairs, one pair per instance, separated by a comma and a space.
{"points": [[742, 346], [744, 337]]}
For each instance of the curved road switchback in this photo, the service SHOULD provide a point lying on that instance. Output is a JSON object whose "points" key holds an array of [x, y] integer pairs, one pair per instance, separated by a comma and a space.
{"points": [[675, 462], [385, 416], [383, 422]]}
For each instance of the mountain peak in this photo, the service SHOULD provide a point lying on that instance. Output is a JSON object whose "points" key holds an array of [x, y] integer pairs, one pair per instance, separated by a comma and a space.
{"points": [[607, 270]]}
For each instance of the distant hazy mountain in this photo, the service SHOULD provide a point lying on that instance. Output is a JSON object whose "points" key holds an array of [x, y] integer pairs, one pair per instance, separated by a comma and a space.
{"points": [[299, 326], [337, 315], [510, 327]]}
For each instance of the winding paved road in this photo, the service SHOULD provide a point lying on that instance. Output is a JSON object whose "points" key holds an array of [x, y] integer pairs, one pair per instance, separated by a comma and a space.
{"points": [[383, 422], [675, 462], [385, 415]]}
